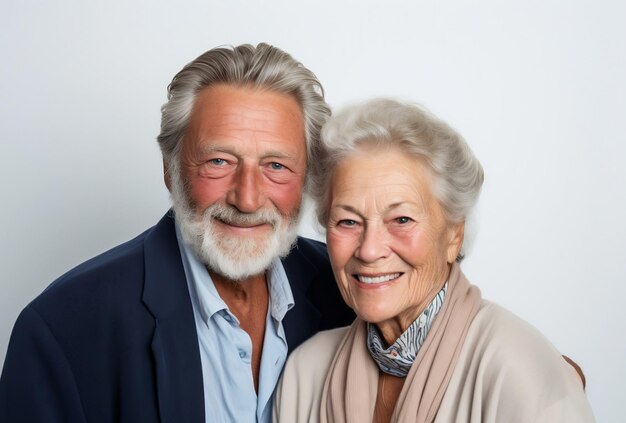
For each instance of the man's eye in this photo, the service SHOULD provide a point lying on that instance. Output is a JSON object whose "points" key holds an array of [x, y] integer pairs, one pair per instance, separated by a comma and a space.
{"points": [[276, 166], [217, 162]]}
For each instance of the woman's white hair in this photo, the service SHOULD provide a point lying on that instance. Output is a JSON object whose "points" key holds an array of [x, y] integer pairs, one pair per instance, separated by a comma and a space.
{"points": [[262, 67], [457, 174]]}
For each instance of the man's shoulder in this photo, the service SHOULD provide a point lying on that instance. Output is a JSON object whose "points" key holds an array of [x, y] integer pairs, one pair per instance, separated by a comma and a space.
{"points": [[112, 276], [127, 254], [313, 250], [319, 304], [308, 257]]}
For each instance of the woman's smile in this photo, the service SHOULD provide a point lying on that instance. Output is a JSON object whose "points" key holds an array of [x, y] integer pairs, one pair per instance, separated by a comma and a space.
{"points": [[372, 279]]}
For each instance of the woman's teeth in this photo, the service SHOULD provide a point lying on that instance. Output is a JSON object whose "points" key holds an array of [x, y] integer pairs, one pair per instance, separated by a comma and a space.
{"points": [[377, 279]]}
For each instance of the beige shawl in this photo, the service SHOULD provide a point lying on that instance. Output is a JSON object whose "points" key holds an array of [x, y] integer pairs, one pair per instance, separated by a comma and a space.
{"points": [[350, 389]]}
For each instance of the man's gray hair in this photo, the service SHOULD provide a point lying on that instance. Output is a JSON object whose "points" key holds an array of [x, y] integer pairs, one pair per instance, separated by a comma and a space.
{"points": [[457, 174], [262, 67]]}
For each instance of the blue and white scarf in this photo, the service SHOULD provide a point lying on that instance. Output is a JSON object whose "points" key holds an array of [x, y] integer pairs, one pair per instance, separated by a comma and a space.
{"points": [[399, 357]]}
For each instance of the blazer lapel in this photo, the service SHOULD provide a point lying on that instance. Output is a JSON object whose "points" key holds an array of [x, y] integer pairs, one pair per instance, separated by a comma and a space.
{"points": [[303, 320], [175, 342]]}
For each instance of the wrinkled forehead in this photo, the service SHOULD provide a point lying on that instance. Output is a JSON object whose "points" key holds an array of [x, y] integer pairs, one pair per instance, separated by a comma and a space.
{"points": [[382, 173], [225, 113]]}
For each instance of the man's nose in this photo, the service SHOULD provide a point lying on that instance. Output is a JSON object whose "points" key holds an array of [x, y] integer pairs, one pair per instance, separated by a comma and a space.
{"points": [[247, 192]]}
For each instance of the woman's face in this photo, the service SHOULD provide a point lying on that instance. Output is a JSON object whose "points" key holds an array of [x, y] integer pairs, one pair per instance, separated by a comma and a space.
{"points": [[389, 243]]}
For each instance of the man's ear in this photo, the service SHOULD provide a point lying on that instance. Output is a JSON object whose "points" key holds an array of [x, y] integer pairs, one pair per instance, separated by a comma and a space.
{"points": [[457, 234], [166, 176]]}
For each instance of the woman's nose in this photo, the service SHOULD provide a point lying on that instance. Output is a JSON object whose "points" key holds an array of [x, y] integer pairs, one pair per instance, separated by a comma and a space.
{"points": [[374, 244]]}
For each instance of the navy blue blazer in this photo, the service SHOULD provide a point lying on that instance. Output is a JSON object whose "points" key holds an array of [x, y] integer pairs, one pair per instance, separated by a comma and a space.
{"points": [[115, 340]]}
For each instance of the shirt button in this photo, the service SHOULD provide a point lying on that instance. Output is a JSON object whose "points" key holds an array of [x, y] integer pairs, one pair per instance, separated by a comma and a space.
{"points": [[242, 354]]}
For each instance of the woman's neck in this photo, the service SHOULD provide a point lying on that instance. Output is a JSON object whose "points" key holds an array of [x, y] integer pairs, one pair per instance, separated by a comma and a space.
{"points": [[389, 388]]}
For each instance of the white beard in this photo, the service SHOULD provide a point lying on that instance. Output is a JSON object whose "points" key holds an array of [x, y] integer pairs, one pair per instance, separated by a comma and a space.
{"points": [[235, 257]]}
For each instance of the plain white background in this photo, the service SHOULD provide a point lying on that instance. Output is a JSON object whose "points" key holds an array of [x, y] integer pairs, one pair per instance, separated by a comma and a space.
{"points": [[538, 88]]}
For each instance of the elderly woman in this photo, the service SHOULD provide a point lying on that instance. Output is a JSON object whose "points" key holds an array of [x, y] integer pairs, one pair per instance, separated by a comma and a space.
{"points": [[394, 188]]}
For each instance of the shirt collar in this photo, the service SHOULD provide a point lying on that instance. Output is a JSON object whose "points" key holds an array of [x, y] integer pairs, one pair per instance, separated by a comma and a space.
{"points": [[398, 358], [207, 300]]}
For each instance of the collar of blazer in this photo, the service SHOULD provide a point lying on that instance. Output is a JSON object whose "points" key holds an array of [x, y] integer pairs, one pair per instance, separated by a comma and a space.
{"points": [[175, 342]]}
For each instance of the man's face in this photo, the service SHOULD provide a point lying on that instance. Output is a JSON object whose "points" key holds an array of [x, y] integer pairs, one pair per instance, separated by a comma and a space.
{"points": [[238, 187]]}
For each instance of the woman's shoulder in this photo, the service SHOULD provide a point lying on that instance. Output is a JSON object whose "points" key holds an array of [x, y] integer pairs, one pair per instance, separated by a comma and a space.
{"points": [[324, 339], [507, 343], [299, 391], [507, 334], [316, 354], [510, 359]]}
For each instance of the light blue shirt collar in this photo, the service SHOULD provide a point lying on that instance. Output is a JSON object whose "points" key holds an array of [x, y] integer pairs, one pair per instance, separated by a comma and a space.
{"points": [[209, 300]]}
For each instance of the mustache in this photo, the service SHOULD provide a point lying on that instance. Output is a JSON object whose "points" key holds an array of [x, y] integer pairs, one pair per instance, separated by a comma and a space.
{"points": [[233, 216]]}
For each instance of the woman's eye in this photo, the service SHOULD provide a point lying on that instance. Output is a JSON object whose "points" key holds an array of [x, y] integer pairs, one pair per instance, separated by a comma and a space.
{"points": [[402, 220], [346, 222]]}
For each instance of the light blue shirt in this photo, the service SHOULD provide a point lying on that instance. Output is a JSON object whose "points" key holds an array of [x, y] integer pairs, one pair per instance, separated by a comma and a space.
{"points": [[226, 349]]}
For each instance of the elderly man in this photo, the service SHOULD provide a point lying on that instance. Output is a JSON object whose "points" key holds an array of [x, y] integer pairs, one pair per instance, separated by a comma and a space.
{"points": [[193, 319]]}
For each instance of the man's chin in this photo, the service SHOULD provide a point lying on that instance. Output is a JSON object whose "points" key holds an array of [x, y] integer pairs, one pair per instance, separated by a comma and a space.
{"points": [[256, 236], [243, 233], [236, 268], [239, 261]]}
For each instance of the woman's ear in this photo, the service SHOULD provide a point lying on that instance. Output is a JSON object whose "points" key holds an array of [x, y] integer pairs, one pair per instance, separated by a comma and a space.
{"points": [[457, 233]]}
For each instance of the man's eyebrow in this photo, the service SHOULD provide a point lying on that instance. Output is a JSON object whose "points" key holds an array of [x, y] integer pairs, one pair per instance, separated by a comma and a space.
{"points": [[211, 147], [280, 154], [216, 147]]}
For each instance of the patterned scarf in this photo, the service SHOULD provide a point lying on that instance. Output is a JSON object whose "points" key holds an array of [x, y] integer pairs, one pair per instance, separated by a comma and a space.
{"points": [[350, 389], [399, 357]]}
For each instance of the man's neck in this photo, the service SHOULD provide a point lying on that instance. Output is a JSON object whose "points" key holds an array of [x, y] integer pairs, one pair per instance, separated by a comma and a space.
{"points": [[243, 292], [248, 300]]}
